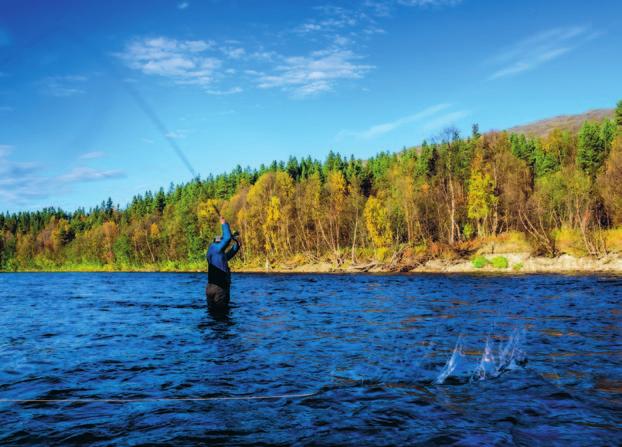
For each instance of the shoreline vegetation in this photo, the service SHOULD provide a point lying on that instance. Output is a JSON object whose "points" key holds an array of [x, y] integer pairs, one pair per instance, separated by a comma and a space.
{"points": [[564, 264], [496, 202], [509, 253]]}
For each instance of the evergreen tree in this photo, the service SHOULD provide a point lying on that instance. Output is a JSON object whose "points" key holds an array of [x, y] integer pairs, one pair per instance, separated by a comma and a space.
{"points": [[593, 147]]}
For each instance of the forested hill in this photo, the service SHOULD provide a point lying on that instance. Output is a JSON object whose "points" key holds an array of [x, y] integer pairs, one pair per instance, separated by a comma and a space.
{"points": [[560, 192], [570, 123]]}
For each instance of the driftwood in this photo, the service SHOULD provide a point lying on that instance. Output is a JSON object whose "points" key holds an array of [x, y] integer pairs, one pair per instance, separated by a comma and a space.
{"points": [[364, 267]]}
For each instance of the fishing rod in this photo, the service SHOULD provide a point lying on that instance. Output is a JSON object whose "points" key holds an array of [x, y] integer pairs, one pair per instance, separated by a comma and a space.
{"points": [[216, 209], [235, 233]]}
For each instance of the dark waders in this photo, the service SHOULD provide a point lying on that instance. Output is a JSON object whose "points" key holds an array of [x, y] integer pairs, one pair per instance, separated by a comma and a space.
{"points": [[217, 297]]}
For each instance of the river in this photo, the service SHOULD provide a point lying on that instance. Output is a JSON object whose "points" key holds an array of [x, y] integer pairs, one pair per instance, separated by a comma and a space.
{"points": [[136, 358]]}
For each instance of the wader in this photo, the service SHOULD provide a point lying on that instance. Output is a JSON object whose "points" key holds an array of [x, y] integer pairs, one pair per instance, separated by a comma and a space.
{"points": [[218, 287], [217, 297]]}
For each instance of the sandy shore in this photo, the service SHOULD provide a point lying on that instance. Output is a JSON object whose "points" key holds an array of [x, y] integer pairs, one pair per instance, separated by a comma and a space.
{"points": [[518, 263]]}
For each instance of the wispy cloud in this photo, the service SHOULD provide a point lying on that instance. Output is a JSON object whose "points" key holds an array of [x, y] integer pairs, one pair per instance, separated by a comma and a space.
{"points": [[92, 155], [233, 52], [383, 128], [429, 3], [317, 72], [427, 120], [443, 121], [334, 38], [334, 18], [184, 61], [343, 26], [539, 49], [63, 86], [23, 182], [183, 5], [178, 134], [86, 174], [229, 91]]}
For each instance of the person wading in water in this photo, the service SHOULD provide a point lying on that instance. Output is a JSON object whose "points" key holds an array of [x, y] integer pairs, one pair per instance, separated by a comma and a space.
{"points": [[218, 273]]}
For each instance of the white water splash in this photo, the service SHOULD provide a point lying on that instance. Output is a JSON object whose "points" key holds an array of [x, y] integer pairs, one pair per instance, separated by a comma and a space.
{"points": [[453, 361], [510, 356], [487, 366]]}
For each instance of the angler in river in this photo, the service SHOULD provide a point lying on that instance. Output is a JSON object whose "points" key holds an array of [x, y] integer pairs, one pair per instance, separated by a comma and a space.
{"points": [[218, 273]]}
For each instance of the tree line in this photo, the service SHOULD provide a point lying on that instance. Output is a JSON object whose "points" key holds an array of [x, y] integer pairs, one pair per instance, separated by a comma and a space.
{"points": [[563, 188]]}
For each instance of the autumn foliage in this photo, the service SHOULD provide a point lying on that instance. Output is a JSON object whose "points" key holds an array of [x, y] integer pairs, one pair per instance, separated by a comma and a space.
{"points": [[561, 192]]}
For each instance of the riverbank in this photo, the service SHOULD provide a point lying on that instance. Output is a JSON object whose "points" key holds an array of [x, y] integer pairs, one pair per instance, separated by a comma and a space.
{"points": [[507, 263], [511, 263]]}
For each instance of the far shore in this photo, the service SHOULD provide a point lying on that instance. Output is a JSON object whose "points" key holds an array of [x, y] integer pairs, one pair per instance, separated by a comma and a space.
{"points": [[512, 263], [518, 263]]}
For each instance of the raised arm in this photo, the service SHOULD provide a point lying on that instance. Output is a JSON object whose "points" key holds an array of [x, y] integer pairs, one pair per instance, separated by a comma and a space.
{"points": [[226, 236]]}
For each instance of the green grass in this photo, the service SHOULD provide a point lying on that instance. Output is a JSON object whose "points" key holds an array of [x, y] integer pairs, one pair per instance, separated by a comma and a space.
{"points": [[517, 267], [500, 262], [479, 262]]}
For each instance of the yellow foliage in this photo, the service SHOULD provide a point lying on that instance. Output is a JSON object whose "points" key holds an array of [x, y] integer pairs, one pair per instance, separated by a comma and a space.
{"points": [[378, 223], [569, 241], [154, 231], [207, 209], [613, 240], [508, 242]]}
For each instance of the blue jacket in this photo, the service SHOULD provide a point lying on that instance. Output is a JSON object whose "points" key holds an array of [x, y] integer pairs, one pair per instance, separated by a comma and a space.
{"points": [[218, 258]]}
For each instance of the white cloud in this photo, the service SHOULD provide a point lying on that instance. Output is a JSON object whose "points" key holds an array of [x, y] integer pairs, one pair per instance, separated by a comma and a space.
{"points": [[234, 52], [230, 91], [543, 47], [184, 61], [335, 21], [333, 38], [179, 134], [86, 174], [183, 5], [429, 3], [315, 73], [383, 128], [92, 155]]}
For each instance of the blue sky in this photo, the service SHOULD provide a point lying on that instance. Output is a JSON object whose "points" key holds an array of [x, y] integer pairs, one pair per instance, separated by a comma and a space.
{"points": [[94, 95]]}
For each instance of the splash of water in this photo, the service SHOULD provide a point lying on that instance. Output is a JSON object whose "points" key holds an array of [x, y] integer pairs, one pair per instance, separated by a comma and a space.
{"points": [[456, 356], [509, 356], [487, 366]]}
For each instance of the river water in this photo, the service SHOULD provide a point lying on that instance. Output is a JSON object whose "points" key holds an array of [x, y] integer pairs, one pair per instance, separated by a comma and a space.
{"points": [[131, 359]]}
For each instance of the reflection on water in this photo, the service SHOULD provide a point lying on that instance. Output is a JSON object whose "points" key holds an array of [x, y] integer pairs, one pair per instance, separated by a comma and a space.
{"points": [[380, 359]]}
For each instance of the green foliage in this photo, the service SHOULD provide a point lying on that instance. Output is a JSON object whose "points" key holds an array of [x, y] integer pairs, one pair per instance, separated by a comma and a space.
{"points": [[518, 266], [563, 190], [544, 162], [479, 262], [468, 231], [618, 114], [594, 144], [500, 262]]}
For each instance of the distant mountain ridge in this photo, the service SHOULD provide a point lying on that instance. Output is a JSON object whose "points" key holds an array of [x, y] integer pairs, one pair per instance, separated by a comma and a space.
{"points": [[565, 122]]}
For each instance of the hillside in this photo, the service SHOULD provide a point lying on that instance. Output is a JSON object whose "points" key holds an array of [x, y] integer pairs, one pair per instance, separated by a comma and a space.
{"points": [[566, 122], [496, 193]]}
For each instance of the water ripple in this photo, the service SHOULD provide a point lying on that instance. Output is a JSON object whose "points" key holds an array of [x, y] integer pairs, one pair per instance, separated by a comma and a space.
{"points": [[335, 359]]}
